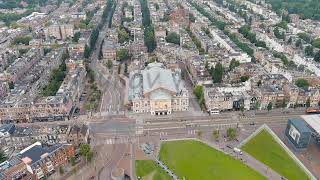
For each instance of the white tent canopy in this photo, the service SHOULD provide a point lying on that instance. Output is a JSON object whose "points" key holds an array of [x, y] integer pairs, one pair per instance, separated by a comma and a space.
{"points": [[313, 121]]}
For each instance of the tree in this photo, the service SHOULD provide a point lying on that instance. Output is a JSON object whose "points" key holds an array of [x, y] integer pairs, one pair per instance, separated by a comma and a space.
{"points": [[244, 78], [149, 38], [306, 37], [298, 43], [317, 56], [198, 91], [308, 50], [192, 18], [74, 170], [61, 170], [242, 109], [123, 36], [109, 64], [217, 74], [289, 40], [173, 37], [233, 64], [122, 54], [22, 40], [56, 78], [308, 103], [301, 67], [73, 161], [259, 83], [257, 106], [269, 107], [302, 83], [316, 43], [87, 51], [231, 134], [199, 133], [278, 34], [85, 151], [157, 6], [3, 157], [125, 68], [283, 24], [89, 156], [284, 103], [11, 85], [76, 37], [215, 135]]}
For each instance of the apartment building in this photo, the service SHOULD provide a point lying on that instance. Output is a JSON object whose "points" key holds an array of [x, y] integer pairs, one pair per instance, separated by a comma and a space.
{"points": [[22, 65], [43, 161], [109, 50], [59, 31], [36, 161], [180, 16], [77, 135]]}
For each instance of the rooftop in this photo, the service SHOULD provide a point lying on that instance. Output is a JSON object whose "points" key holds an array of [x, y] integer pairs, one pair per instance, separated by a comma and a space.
{"points": [[300, 125], [36, 152], [313, 121]]}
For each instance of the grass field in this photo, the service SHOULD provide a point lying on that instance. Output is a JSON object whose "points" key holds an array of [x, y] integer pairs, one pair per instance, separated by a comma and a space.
{"points": [[265, 149], [195, 160], [149, 170]]}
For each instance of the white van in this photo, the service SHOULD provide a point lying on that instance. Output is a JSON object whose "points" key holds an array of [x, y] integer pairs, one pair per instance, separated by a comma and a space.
{"points": [[214, 111], [237, 150]]}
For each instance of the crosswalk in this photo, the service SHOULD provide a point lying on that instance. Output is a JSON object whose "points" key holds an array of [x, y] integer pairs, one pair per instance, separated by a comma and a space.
{"points": [[139, 130], [139, 127], [118, 140], [192, 131]]}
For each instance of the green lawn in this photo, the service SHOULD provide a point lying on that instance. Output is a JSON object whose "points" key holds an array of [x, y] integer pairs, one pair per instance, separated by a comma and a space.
{"points": [[195, 160], [149, 170], [265, 149]]}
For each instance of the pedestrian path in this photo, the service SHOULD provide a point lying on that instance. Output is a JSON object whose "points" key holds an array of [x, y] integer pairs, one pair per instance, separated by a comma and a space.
{"points": [[165, 168]]}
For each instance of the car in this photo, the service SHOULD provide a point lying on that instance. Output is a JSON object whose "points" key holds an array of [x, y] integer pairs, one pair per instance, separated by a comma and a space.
{"points": [[252, 124], [229, 146]]}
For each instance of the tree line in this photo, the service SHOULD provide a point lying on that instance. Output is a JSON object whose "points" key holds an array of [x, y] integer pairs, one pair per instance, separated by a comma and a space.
{"points": [[305, 8], [221, 25], [246, 32], [56, 78], [149, 35]]}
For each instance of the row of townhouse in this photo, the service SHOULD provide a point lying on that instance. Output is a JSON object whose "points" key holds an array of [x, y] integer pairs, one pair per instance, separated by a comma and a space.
{"points": [[20, 67], [261, 91], [15, 137], [58, 107]]}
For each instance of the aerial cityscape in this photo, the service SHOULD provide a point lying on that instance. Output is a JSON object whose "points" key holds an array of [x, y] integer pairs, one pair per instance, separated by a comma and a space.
{"points": [[159, 89]]}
